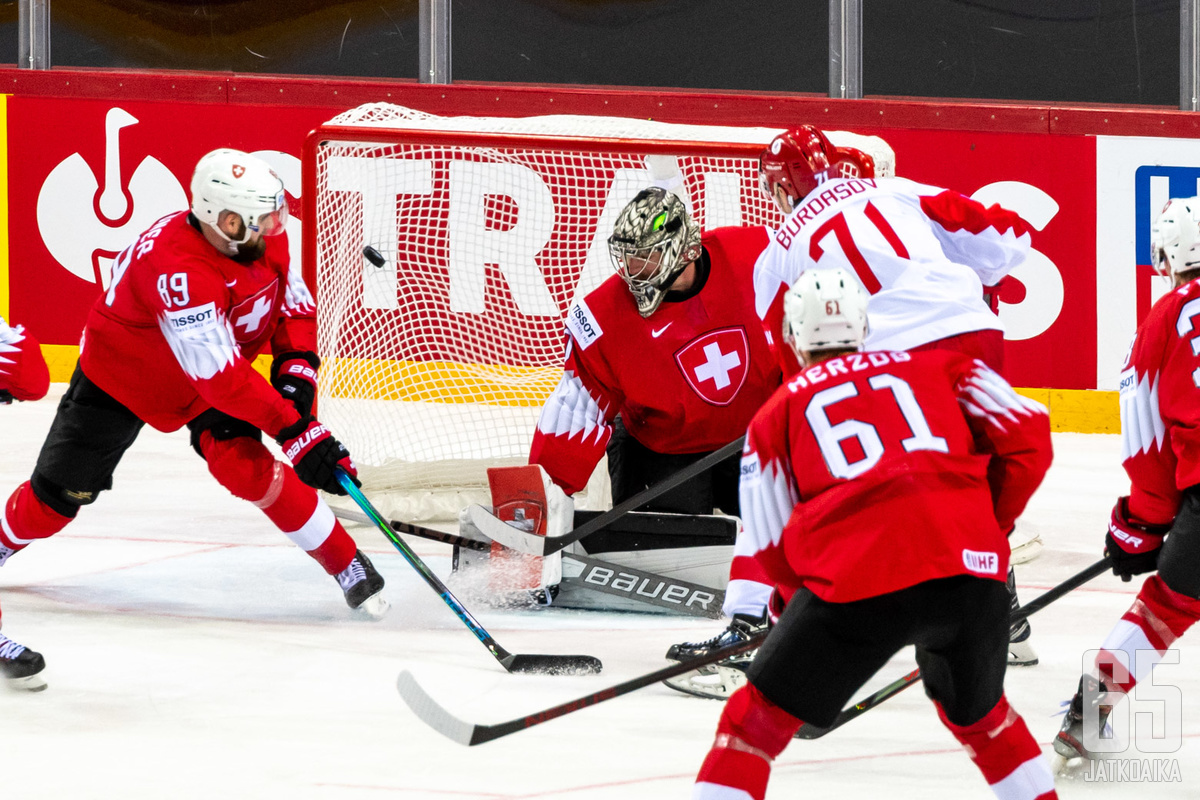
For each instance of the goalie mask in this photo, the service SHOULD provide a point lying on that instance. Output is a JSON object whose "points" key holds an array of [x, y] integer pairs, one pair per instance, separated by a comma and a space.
{"points": [[230, 180], [653, 241], [1175, 237], [825, 309]]}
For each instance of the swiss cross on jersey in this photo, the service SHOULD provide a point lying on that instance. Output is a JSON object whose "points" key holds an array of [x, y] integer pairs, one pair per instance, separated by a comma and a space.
{"points": [[715, 364], [250, 317]]}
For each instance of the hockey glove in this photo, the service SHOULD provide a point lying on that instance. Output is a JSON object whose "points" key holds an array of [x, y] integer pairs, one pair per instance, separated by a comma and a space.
{"points": [[294, 376], [316, 455], [1132, 546]]}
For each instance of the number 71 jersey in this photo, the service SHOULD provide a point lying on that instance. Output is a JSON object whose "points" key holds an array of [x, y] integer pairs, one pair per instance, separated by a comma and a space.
{"points": [[923, 254], [875, 471]]}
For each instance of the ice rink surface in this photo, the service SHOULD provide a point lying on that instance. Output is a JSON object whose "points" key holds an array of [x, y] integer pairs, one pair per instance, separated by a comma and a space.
{"points": [[193, 652]]}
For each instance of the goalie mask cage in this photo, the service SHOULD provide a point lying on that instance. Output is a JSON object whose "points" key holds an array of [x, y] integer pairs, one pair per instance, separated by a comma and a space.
{"points": [[436, 361]]}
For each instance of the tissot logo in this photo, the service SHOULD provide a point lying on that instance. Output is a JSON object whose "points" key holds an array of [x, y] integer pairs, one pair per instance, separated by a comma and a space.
{"points": [[186, 320]]}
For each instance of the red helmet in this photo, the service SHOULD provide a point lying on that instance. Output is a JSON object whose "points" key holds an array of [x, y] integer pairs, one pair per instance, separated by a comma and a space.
{"points": [[801, 159]]}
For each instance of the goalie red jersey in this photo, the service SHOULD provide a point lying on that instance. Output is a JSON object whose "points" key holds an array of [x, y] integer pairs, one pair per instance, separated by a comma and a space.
{"points": [[685, 380], [180, 323], [1160, 407], [875, 471], [922, 253]]}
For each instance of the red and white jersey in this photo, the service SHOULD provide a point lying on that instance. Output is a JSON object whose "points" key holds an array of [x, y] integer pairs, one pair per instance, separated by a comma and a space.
{"points": [[1160, 406], [180, 323], [875, 471], [686, 380], [23, 372], [923, 254]]}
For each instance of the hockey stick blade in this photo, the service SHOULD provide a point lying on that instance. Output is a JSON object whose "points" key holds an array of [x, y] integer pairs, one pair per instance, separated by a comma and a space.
{"points": [[548, 665], [892, 689], [552, 665], [534, 545], [470, 734]]}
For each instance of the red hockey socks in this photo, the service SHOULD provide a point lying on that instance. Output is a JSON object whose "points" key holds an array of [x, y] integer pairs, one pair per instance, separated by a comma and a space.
{"points": [[25, 518], [751, 733], [1001, 746], [1156, 619], [246, 468]]}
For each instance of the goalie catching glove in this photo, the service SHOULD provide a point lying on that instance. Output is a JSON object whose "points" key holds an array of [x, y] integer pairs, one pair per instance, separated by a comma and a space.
{"points": [[294, 376], [316, 455], [1133, 546]]}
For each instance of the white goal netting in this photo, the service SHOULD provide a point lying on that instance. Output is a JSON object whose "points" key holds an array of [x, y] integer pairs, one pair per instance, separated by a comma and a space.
{"points": [[439, 351]]}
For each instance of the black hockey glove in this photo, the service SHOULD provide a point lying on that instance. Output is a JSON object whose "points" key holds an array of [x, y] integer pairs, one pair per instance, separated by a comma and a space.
{"points": [[294, 376], [1132, 546], [316, 455]]}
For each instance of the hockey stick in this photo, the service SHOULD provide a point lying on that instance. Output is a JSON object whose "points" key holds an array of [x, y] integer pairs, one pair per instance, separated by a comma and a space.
{"points": [[1032, 607], [519, 662], [673, 594], [470, 734], [534, 545]]}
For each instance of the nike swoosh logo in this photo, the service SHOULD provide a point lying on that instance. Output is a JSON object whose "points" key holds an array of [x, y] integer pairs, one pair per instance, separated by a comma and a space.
{"points": [[232, 283], [661, 330]]}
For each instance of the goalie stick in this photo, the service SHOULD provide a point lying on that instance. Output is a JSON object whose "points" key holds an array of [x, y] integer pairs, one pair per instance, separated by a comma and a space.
{"points": [[470, 734], [513, 662], [672, 594], [892, 689], [535, 545]]}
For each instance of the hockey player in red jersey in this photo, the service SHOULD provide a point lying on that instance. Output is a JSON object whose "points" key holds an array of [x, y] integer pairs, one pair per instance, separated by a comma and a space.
{"points": [[191, 302], [665, 363], [837, 466], [23, 376], [1156, 527], [23, 372], [924, 255]]}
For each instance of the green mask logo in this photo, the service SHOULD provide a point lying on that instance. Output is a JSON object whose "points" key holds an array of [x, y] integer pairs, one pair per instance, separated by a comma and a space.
{"points": [[658, 222]]}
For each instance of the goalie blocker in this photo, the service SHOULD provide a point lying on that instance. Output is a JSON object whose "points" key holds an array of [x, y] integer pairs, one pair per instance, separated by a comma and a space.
{"points": [[676, 563]]}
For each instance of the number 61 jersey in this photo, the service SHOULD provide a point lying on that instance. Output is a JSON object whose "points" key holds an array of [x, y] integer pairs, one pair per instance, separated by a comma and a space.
{"points": [[876, 471]]}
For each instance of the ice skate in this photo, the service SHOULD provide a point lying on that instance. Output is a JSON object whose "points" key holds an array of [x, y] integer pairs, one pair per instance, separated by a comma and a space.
{"points": [[1020, 649], [1070, 751], [21, 667], [363, 587], [716, 681]]}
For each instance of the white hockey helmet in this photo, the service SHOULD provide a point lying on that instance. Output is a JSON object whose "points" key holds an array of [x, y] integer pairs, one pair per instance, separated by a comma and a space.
{"points": [[825, 309], [1175, 237], [230, 180]]}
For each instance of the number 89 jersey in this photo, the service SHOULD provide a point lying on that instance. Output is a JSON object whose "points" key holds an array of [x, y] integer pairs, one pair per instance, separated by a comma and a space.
{"points": [[875, 471], [180, 323]]}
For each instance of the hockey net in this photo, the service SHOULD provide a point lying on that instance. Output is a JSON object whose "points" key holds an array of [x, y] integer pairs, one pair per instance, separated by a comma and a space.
{"points": [[445, 253]]}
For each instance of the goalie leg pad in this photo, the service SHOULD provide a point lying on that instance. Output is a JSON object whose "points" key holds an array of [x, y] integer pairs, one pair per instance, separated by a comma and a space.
{"points": [[528, 498], [752, 732]]}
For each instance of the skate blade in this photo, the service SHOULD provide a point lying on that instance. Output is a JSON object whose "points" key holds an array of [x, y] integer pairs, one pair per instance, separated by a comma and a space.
{"points": [[1022, 654], [374, 607], [30, 683], [711, 683], [1026, 551]]}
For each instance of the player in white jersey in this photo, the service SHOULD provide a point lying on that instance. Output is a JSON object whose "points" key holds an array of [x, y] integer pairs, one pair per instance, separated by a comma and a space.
{"points": [[23, 376], [923, 254]]}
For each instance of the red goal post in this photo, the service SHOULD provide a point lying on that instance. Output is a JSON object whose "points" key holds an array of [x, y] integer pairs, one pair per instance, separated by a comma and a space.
{"points": [[437, 359]]}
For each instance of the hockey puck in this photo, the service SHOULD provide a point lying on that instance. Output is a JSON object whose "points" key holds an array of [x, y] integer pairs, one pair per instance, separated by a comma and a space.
{"points": [[374, 256]]}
